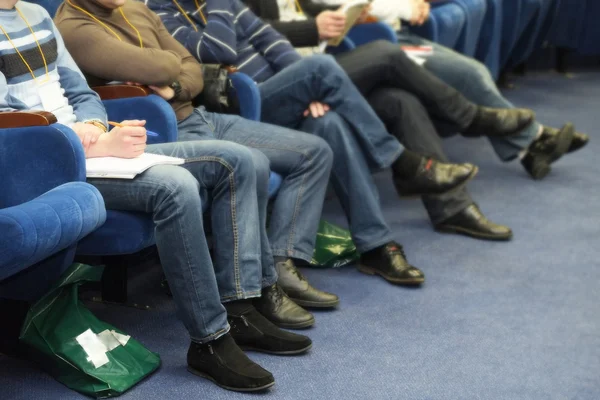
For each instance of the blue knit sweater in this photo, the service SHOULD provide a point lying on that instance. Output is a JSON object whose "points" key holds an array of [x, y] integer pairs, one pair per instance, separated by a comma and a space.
{"points": [[19, 90], [232, 35]]}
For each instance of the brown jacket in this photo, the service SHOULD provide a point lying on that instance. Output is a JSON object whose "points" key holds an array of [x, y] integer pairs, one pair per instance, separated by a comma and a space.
{"points": [[104, 58]]}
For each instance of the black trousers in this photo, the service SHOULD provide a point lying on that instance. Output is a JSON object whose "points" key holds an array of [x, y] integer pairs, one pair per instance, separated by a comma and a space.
{"points": [[406, 97]]}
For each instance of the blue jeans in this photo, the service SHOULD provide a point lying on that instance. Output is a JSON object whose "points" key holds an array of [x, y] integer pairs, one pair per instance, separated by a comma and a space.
{"points": [[303, 160], [358, 138], [175, 196], [474, 81]]}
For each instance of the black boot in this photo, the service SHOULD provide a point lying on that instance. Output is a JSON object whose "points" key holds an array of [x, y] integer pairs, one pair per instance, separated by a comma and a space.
{"points": [[295, 285], [472, 222], [547, 149], [390, 262], [415, 175], [579, 139], [498, 122], [278, 308], [252, 331], [224, 363]]}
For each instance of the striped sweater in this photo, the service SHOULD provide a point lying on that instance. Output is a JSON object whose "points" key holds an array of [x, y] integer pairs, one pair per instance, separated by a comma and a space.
{"points": [[19, 90], [232, 35]]}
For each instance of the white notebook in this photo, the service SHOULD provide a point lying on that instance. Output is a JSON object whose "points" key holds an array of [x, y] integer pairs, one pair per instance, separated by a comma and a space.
{"points": [[126, 168]]}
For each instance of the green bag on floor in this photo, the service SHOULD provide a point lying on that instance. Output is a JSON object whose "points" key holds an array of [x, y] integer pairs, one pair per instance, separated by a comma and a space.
{"points": [[80, 351], [334, 247]]}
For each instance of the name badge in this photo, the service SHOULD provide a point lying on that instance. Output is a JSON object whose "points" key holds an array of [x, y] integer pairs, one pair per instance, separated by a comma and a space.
{"points": [[51, 95]]}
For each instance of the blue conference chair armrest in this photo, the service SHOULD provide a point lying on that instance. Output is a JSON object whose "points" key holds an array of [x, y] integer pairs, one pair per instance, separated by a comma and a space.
{"points": [[36, 159], [346, 45], [365, 33], [159, 115], [248, 95], [275, 181], [52, 222]]}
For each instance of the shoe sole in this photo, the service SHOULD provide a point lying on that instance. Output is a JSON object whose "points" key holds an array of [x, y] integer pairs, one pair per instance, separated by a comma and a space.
{"points": [[298, 325], [564, 138], [454, 189], [233, 389], [474, 234], [314, 304], [279, 353], [372, 271]]}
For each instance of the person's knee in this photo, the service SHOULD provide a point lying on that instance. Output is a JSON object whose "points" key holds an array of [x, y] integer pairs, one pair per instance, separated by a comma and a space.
{"points": [[262, 167], [319, 151], [475, 70], [173, 183]]}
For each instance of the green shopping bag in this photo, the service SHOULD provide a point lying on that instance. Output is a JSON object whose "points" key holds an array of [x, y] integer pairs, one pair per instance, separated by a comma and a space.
{"points": [[80, 351], [334, 247]]}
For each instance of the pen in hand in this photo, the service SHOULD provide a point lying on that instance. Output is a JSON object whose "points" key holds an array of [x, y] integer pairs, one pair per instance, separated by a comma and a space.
{"points": [[149, 133]]}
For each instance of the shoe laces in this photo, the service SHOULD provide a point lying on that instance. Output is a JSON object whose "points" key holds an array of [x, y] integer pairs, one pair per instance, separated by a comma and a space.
{"points": [[295, 270]]}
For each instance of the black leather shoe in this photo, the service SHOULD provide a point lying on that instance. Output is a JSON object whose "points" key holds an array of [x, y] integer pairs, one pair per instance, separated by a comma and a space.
{"points": [[547, 149], [389, 261], [579, 139], [278, 308], [499, 122], [434, 178], [252, 331], [472, 222], [224, 363], [295, 285]]}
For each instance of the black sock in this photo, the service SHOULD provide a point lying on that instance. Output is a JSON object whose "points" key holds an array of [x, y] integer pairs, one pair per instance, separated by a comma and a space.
{"points": [[238, 306], [279, 259], [407, 165]]}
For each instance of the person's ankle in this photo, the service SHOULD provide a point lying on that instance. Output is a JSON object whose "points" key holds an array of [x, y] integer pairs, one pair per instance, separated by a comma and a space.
{"points": [[407, 165]]}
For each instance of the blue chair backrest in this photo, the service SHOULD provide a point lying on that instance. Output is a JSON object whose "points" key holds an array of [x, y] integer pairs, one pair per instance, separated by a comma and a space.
{"points": [[50, 5]]}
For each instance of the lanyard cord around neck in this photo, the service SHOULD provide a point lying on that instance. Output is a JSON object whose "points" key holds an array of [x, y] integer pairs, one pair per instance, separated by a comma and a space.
{"points": [[21, 55], [106, 26], [187, 17]]}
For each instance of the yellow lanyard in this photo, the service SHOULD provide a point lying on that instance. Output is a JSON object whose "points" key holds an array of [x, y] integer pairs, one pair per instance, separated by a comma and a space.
{"points": [[21, 55], [187, 17], [296, 6], [107, 27]]}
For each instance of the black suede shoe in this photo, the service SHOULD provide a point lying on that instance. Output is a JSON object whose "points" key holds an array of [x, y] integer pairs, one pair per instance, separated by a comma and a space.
{"points": [[278, 308], [472, 222], [434, 178], [499, 122], [252, 331], [295, 285], [389, 261], [579, 139], [224, 363], [547, 149]]}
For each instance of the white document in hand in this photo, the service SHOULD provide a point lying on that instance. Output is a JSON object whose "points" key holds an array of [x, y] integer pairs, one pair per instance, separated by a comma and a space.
{"points": [[126, 168]]}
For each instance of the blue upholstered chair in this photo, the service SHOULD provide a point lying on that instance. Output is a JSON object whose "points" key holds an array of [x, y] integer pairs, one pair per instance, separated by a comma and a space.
{"points": [[445, 25], [475, 11], [489, 47], [45, 205], [45, 208]]}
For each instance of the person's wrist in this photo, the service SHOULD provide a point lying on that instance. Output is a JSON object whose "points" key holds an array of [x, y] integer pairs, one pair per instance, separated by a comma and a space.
{"points": [[97, 124]]}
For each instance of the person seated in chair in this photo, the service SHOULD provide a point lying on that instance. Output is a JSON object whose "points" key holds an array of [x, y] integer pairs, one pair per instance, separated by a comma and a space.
{"points": [[536, 145], [215, 301], [147, 54], [407, 97]]}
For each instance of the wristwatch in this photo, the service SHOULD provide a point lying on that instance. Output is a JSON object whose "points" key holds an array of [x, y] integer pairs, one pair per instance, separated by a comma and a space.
{"points": [[176, 86]]}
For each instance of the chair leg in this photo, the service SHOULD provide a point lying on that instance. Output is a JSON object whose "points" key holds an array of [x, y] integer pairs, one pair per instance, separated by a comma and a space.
{"points": [[114, 280], [12, 315], [561, 60]]}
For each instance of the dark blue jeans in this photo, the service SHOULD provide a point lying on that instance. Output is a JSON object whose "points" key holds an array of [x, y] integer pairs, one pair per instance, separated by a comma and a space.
{"points": [[358, 138], [303, 160]]}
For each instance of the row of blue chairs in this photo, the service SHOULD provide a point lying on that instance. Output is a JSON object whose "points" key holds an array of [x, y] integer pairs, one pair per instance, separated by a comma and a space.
{"points": [[48, 213], [504, 33]]}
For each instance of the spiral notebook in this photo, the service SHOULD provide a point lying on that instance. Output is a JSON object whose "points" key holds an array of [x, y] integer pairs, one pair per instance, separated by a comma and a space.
{"points": [[126, 168]]}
